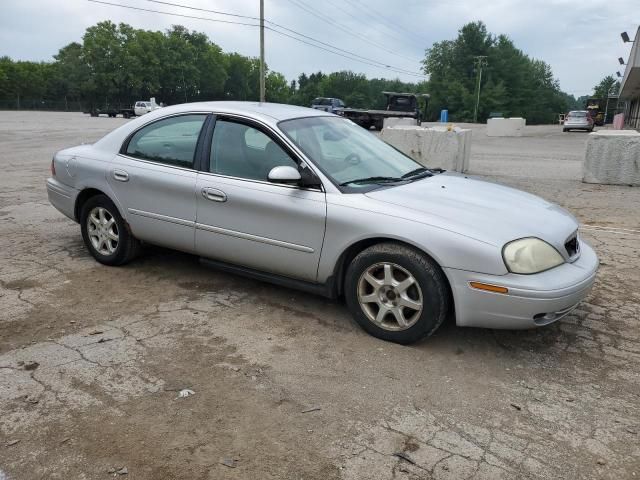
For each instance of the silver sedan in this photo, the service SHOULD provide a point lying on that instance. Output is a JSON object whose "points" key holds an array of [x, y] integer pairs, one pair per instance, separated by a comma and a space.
{"points": [[578, 120], [307, 199]]}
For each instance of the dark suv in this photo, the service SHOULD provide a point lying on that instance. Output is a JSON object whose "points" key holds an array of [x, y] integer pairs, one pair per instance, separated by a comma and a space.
{"points": [[331, 105]]}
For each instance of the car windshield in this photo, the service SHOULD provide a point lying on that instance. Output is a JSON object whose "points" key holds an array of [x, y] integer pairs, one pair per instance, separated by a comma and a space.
{"points": [[350, 155], [577, 114]]}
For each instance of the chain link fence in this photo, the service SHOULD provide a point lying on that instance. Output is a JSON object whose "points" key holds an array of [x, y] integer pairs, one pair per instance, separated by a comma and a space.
{"points": [[40, 104]]}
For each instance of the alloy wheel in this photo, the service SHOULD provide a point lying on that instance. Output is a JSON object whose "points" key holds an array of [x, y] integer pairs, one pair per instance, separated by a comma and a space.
{"points": [[390, 296], [102, 230]]}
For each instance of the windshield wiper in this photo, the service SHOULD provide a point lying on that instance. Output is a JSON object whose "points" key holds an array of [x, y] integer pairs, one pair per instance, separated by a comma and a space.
{"points": [[415, 172], [421, 172], [373, 180]]}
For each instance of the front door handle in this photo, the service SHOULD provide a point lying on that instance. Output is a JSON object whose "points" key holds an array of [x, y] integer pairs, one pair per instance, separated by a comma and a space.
{"points": [[214, 194], [120, 175]]}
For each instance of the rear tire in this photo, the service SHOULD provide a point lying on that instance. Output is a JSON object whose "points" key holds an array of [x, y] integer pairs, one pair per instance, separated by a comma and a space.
{"points": [[396, 293], [105, 233]]}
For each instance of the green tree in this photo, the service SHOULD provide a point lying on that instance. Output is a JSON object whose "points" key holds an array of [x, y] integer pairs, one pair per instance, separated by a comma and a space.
{"points": [[350, 87], [119, 64], [276, 88], [512, 83], [241, 72], [607, 86]]}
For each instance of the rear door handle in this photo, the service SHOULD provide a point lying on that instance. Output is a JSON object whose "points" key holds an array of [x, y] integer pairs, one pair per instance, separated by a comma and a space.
{"points": [[214, 194], [120, 175]]}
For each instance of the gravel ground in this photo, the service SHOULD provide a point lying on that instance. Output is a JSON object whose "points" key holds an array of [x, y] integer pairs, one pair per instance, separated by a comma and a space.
{"points": [[92, 358]]}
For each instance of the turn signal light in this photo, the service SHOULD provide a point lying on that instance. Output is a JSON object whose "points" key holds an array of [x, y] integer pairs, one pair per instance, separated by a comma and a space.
{"points": [[53, 168], [489, 288]]}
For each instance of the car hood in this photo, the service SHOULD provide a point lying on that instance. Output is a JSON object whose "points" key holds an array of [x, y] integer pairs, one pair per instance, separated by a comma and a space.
{"points": [[482, 210]]}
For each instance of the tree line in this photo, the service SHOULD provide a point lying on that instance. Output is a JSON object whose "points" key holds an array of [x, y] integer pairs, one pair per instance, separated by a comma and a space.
{"points": [[512, 83], [118, 65]]}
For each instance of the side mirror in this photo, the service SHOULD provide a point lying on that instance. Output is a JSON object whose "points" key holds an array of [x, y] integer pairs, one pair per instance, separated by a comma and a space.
{"points": [[284, 174]]}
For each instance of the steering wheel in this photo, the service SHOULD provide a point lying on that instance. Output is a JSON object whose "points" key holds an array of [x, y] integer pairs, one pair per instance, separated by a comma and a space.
{"points": [[352, 159]]}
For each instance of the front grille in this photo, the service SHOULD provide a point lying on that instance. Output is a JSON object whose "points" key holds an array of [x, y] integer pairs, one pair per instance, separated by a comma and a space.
{"points": [[572, 245]]}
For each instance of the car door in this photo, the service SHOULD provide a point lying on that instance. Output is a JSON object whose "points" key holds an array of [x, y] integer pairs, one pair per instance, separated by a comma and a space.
{"points": [[244, 219], [154, 178]]}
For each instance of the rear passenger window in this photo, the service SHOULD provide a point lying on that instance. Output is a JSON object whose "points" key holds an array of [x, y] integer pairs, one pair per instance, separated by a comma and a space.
{"points": [[171, 141]]}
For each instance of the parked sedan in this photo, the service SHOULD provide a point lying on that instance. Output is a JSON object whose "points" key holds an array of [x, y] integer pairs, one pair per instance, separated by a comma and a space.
{"points": [[307, 199], [578, 120]]}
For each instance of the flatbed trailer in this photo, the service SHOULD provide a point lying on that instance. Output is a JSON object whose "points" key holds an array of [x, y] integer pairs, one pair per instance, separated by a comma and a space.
{"points": [[112, 112], [402, 105]]}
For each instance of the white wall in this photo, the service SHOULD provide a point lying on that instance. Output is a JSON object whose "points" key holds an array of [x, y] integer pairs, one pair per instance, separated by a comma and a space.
{"points": [[613, 158], [435, 147], [396, 121]]}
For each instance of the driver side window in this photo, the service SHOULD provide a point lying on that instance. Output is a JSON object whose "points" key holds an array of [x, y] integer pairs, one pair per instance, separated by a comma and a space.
{"points": [[239, 150]]}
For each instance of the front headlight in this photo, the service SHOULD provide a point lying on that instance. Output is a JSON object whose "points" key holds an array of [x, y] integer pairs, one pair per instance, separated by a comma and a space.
{"points": [[530, 255]]}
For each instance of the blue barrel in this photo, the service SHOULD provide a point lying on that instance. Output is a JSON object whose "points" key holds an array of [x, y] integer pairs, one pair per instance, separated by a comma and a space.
{"points": [[444, 116]]}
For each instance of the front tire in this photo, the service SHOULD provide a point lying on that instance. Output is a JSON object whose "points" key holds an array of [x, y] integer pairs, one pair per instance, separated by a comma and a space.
{"points": [[396, 293], [105, 233]]}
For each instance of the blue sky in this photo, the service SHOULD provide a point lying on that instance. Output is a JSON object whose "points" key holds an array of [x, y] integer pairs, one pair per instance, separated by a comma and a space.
{"points": [[579, 39]]}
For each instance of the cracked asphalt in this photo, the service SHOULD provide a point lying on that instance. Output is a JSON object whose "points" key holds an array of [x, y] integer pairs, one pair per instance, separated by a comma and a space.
{"points": [[92, 358]]}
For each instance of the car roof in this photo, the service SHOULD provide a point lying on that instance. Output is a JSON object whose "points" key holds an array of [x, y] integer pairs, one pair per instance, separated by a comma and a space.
{"points": [[268, 113], [274, 111]]}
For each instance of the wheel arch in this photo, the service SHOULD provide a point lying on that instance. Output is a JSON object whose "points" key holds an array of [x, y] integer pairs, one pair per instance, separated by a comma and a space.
{"points": [[348, 254], [89, 192]]}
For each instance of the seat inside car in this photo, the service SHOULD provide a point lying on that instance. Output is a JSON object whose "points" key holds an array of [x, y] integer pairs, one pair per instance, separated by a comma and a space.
{"points": [[274, 157], [230, 151]]}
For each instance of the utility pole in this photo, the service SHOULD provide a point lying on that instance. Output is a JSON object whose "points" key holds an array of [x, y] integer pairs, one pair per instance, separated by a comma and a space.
{"points": [[606, 108], [480, 61], [262, 86]]}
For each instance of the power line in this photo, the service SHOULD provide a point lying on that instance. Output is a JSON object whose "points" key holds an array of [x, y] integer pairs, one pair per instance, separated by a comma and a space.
{"points": [[174, 14], [315, 12], [204, 10], [363, 10], [345, 56], [375, 62], [388, 23], [349, 55], [399, 69]]}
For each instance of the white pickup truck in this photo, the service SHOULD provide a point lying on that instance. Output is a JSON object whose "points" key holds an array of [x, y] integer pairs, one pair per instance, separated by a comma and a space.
{"points": [[141, 107]]}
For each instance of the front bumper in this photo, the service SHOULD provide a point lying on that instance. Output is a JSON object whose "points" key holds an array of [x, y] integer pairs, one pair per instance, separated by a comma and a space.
{"points": [[62, 196], [532, 301]]}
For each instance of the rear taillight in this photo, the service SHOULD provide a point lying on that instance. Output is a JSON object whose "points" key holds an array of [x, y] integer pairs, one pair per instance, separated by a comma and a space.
{"points": [[53, 167]]}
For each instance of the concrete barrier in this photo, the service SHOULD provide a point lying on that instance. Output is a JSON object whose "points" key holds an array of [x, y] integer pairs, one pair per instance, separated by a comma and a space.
{"points": [[397, 121], [436, 147], [505, 127], [613, 158]]}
